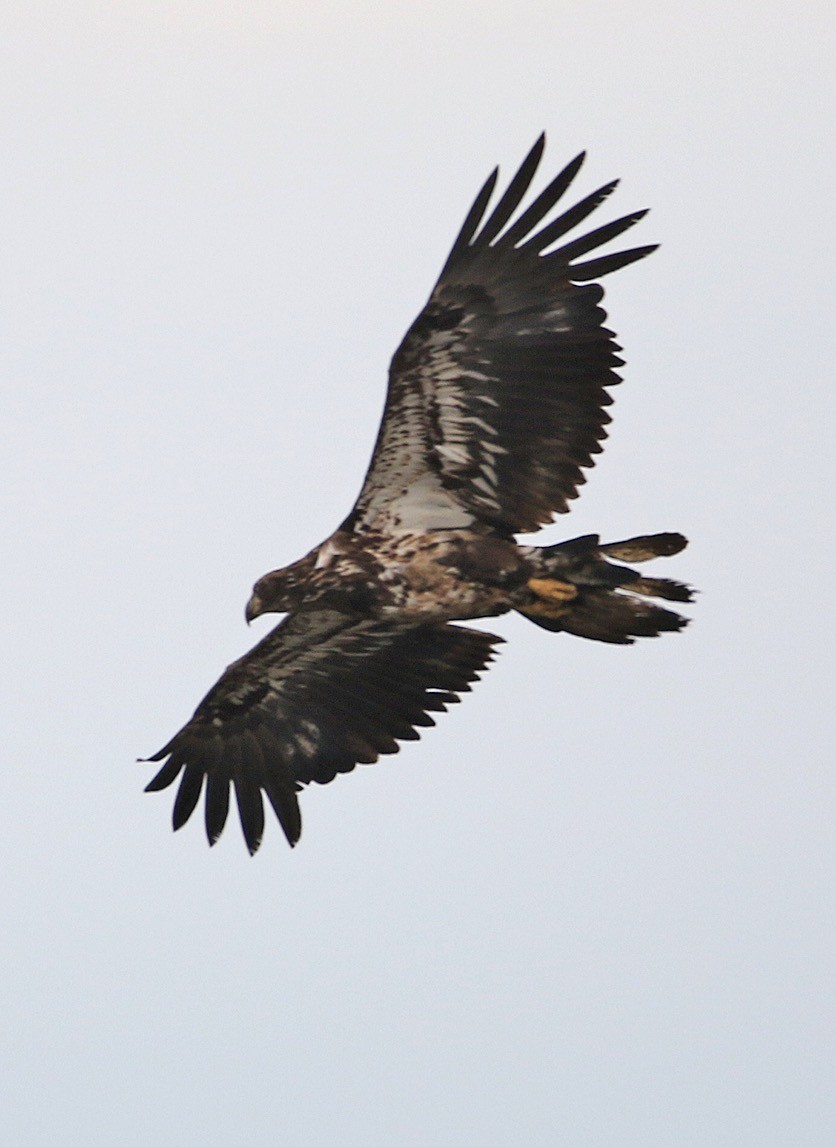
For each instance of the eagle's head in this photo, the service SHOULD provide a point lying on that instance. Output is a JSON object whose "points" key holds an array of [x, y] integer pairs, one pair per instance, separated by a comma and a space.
{"points": [[271, 594], [276, 592]]}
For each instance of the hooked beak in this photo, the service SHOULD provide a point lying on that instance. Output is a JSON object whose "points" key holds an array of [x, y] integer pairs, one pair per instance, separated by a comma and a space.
{"points": [[254, 608]]}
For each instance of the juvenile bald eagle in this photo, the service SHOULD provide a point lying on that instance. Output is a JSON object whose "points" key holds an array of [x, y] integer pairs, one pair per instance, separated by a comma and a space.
{"points": [[496, 404]]}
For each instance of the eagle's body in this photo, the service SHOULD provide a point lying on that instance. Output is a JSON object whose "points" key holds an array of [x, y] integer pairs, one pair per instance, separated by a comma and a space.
{"points": [[496, 403], [446, 575]]}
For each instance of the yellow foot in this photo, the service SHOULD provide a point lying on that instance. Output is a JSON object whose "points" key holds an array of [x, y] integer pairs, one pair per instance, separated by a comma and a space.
{"points": [[552, 596], [550, 589]]}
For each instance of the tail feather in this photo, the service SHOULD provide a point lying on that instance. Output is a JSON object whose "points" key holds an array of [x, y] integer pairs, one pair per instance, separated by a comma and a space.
{"points": [[643, 548], [662, 587], [616, 618], [575, 589]]}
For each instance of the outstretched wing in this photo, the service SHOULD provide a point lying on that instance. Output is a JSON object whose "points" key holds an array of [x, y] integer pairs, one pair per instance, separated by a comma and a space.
{"points": [[322, 692], [497, 393]]}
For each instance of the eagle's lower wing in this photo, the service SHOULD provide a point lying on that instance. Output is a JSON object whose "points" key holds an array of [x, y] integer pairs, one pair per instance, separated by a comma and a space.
{"points": [[320, 693], [497, 393]]}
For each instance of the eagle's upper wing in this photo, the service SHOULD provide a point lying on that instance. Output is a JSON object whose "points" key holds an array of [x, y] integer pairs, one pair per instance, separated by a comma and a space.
{"points": [[320, 693], [497, 393]]}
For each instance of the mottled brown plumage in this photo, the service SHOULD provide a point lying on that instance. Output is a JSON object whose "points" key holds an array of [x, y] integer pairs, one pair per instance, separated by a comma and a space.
{"points": [[496, 405]]}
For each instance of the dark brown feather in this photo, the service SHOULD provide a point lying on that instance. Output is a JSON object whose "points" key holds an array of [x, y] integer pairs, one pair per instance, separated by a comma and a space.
{"points": [[321, 693], [497, 393]]}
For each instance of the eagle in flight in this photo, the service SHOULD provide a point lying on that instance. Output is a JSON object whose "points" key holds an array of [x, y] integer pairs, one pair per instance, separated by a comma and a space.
{"points": [[496, 403]]}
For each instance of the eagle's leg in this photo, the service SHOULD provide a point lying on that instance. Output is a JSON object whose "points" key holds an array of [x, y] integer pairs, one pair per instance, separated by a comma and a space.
{"points": [[574, 587]]}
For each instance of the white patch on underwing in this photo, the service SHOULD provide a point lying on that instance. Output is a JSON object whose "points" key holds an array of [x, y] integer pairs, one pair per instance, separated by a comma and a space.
{"points": [[479, 423], [307, 738], [454, 453], [489, 473], [486, 488], [426, 505], [327, 552]]}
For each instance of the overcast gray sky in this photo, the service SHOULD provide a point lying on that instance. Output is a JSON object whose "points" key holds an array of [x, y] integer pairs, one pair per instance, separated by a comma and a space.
{"points": [[595, 905]]}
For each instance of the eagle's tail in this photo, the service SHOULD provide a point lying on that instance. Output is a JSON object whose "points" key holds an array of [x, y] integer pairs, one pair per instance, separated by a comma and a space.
{"points": [[575, 588]]}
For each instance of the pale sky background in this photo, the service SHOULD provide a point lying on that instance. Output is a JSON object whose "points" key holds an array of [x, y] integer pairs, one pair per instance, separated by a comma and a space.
{"points": [[595, 906]]}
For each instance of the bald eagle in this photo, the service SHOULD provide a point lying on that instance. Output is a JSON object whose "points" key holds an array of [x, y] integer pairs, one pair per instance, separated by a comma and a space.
{"points": [[496, 404]]}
